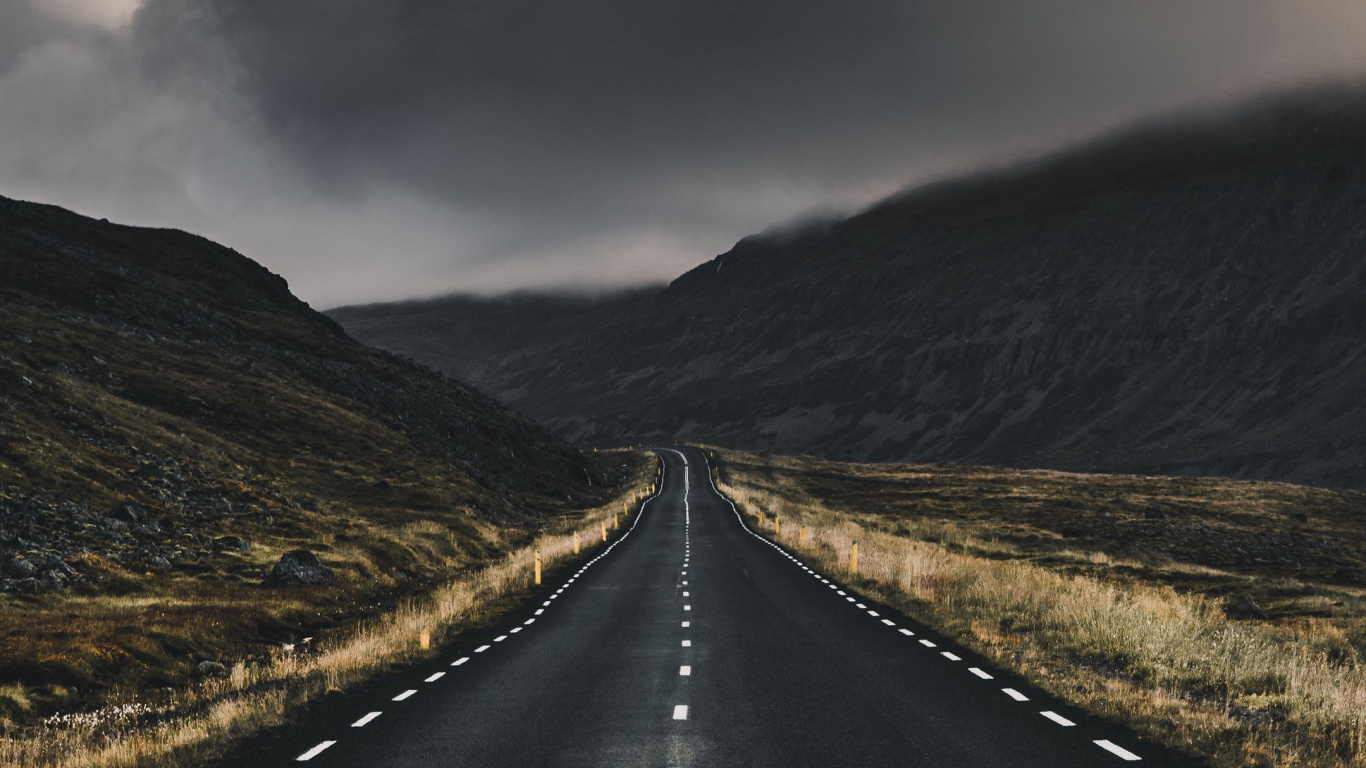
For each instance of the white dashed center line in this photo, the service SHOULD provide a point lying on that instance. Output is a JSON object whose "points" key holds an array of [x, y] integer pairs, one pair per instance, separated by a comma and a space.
{"points": [[361, 722], [927, 644], [500, 638], [680, 713], [460, 661], [1115, 749], [482, 648], [950, 656], [685, 671], [906, 632], [685, 594], [318, 750], [685, 624], [687, 607], [687, 643], [436, 677], [1057, 718], [979, 673], [889, 622], [405, 694], [1014, 694]]}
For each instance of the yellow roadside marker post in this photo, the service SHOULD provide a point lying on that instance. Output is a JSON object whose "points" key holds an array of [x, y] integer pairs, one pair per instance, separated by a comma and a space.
{"points": [[538, 567], [604, 530], [777, 526], [803, 534], [853, 558], [424, 639], [576, 542]]}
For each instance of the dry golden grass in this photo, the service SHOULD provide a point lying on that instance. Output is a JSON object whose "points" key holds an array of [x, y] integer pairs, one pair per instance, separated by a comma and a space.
{"points": [[201, 720], [1127, 639]]}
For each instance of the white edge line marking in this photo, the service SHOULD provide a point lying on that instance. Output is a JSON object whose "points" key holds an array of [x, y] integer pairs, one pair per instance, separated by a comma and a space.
{"points": [[1014, 694], [314, 752], [500, 638], [460, 661], [1115, 749], [680, 711], [950, 656], [1057, 718], [889, 622], [927, 644], [906, 632], [515, 630], [482, 648], [529, 622], [436, 677], [361, 723], [404, 695], [979, 673]]}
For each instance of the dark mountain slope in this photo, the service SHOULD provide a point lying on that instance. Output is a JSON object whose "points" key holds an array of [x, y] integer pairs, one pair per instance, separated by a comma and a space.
{"points": [[172, 420], [1178, 299], [463, 336]]}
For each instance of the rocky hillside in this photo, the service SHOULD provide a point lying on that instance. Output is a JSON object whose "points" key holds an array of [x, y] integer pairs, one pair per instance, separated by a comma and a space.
{"points": [[1181, 298], [173, 421]]}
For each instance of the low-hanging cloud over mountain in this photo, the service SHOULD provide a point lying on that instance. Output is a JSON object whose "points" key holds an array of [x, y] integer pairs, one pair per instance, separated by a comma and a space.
{"points": [[373, 150]]}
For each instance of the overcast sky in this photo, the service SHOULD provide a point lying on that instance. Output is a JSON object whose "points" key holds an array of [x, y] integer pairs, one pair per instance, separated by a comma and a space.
{"points": [[381, 149]]}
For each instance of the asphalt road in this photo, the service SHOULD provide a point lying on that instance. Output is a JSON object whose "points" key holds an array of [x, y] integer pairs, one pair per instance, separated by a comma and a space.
{"points": [[694, 642]]}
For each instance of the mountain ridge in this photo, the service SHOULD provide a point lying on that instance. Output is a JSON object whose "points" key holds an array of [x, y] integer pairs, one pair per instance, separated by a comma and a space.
{"points": [[1181, 298]]}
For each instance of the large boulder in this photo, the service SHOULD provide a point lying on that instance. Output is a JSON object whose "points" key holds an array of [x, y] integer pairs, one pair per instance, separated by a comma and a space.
{"points": [[299, 568]]}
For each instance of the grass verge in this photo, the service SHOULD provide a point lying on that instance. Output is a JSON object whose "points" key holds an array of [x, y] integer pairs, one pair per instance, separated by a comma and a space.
{"points": [[202, 720], [1173, 647]]}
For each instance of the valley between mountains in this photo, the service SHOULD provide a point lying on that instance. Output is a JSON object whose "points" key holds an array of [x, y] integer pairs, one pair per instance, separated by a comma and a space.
{"points": [[1055, 465]]}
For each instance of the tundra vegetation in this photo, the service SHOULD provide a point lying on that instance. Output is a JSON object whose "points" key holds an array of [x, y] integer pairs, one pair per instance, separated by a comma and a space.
{"points": [[175, 424], [1224, 618]]}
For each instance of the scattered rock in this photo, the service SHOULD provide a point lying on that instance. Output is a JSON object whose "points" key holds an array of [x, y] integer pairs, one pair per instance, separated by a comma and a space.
{"points": [[1247, 606], [129, 513], [298, 568], [236, 543], [212, 669], [18, 568]]}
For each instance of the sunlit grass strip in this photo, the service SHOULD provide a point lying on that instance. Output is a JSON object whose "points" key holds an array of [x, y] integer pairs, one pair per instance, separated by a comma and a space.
{"points": [[1171, 665], [211, 715]]}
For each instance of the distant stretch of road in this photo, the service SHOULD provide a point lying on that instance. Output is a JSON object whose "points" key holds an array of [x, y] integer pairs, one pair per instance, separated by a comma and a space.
{"points": [[691, 641]]}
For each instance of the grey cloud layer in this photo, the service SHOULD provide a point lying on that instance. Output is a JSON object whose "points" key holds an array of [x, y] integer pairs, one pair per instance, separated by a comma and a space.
{"points": [[498, 143]]}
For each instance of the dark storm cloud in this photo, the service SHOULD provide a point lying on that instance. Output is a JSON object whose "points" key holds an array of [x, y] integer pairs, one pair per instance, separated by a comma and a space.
{"points": [[386, 148], [584, 105]]}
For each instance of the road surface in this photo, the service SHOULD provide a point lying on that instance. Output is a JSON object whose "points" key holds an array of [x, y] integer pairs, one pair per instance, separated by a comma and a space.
{"points": [[694, 642]]}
